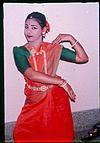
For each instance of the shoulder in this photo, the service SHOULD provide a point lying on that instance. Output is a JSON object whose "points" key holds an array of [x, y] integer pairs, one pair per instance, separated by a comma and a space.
{"points": [[19, 50]]}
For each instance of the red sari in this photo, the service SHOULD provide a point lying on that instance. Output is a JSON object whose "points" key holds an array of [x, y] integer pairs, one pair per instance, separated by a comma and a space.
{"points": [[46, 115]]}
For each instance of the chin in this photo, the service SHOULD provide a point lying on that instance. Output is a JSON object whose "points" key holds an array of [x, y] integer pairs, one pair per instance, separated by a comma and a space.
{"points": [[30, 40]]}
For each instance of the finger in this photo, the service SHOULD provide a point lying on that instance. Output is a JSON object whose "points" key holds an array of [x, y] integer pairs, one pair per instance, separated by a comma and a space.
{"points": [[72, 96], [72, 100], [57, 40]]}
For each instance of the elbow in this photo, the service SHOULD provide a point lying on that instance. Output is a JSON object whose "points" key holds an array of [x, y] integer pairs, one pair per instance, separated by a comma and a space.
{"points": [[85, 59], [82, 60]]}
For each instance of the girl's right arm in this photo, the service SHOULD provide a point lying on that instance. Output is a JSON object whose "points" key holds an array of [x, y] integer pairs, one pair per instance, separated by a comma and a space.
{"points": [[44, 78], [41, 77], [24, 67]]}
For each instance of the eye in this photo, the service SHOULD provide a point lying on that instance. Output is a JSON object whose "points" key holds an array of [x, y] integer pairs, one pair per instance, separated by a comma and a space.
{"points": [[26, 26], [34, 27]]}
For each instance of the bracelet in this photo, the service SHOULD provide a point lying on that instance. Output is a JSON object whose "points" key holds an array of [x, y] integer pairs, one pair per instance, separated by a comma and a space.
{"points": [[74, 44], [63, 84]]}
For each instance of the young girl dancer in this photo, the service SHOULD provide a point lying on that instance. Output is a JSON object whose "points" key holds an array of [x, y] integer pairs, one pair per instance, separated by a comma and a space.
{"points": [[46, 114]]}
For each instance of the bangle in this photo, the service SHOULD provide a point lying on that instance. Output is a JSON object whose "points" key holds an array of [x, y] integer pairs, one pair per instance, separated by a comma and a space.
{"points": [[74, 44], [63, 84]]}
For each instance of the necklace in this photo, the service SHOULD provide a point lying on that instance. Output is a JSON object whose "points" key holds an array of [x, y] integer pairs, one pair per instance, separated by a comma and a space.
{"points": [[34, 54]]}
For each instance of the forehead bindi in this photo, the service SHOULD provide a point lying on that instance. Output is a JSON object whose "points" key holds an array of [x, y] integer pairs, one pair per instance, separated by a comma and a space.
{"points": [[32, 22]]}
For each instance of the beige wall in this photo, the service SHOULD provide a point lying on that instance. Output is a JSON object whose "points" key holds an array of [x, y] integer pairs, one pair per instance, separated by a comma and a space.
{"points": [[78, 19]]}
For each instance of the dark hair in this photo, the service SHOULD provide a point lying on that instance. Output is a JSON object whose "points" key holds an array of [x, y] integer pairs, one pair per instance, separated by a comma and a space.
{"points": [[39, 17]]}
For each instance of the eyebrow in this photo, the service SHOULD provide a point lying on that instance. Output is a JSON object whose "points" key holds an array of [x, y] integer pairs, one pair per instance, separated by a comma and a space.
{"points": [[31, 25]]}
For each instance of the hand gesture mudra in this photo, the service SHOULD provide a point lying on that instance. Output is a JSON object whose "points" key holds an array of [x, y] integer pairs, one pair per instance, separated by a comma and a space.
{"points": [[69, 90], [61, 38]]}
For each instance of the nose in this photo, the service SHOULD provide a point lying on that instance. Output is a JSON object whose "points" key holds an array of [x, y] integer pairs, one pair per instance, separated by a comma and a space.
{"points": [[28, 31]]}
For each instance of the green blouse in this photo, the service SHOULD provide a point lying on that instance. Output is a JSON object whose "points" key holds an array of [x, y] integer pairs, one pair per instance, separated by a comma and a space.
{"points": [[21, 55]]}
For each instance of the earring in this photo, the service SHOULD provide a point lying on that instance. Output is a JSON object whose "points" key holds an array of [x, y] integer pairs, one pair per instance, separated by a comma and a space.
{"points": [[43, 34]]}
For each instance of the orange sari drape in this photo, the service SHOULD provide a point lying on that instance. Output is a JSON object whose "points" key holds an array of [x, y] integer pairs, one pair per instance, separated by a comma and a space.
{"points": [[46, 115]]}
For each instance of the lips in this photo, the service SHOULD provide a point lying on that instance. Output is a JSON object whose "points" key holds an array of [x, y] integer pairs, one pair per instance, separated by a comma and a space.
{"points": [[29, 36]]}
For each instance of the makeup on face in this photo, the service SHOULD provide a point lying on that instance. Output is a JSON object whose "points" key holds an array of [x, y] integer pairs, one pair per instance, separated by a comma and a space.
{"points": [[32, 30]]}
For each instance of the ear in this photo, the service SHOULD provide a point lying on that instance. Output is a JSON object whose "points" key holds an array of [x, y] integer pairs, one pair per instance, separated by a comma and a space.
{"points": [[44, 30]]}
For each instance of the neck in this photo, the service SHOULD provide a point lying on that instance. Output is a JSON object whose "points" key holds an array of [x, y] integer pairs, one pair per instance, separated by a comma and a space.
{"points": [[35, 44]]}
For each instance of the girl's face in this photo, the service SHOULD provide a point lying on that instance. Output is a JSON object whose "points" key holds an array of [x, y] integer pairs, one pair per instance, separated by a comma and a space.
{"points": [[32, 30]]}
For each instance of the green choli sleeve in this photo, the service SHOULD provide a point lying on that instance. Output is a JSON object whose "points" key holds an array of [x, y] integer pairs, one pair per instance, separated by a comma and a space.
{"points": [[68, 55], [21, 56]]}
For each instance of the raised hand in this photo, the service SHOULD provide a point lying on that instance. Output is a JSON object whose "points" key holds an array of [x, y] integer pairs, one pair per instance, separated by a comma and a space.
{"points": [[61, 38], [81, 56]]}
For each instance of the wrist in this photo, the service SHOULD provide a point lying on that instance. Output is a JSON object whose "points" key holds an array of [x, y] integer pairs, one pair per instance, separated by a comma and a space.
{"points": [[72, 46], [60, 81], [72, 41], [63, 83]]}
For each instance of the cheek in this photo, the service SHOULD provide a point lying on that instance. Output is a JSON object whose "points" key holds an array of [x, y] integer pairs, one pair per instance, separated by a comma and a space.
{"points": [[25, 31], [38, 33]]}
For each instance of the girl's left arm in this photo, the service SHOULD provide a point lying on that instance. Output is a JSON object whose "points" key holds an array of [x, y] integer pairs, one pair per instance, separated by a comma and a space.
{"points": [[81, 56]]}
